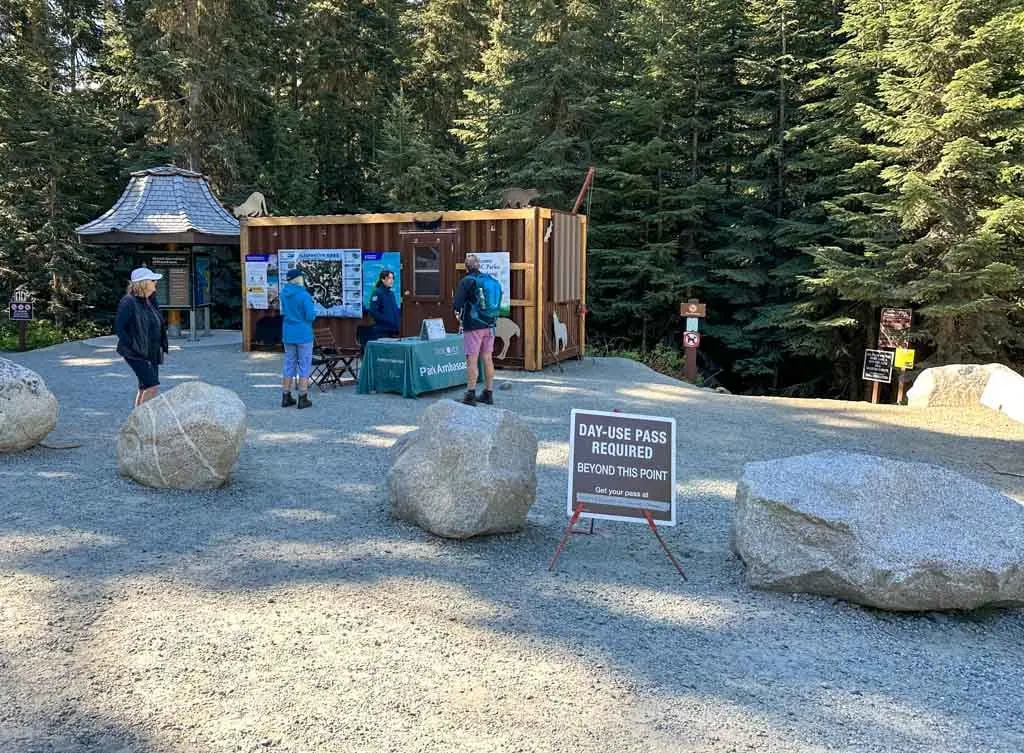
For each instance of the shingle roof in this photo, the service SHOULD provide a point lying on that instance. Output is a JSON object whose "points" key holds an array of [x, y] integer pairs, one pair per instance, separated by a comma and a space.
{"points": [[165, 199]]}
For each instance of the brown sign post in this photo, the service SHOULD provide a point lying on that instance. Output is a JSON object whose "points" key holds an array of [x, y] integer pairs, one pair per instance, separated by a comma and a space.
{"points": [[692, 310], [20, 310], [621, 467]]}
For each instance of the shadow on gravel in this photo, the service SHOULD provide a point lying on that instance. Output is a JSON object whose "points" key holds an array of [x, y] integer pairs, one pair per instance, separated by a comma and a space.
{"points": [[305, 507]]}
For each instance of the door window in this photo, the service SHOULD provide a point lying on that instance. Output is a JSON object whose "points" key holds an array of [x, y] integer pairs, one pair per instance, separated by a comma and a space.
{"points": [[426, 278]]}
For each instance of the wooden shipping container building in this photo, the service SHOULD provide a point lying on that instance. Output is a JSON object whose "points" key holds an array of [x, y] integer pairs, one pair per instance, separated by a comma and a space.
{"points": [[548, 260]]}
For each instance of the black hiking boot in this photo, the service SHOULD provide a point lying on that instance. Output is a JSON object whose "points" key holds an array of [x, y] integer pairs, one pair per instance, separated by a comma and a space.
{"points": [[287, 401], [304, 401], [487, 398], [470, 398]]}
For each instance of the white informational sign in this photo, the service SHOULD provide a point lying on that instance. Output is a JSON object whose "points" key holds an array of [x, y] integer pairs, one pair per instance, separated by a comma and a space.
{"points": [[433, 329], [256, 293], [497, 265], [334, 277], [622, 467], [692, 324]]}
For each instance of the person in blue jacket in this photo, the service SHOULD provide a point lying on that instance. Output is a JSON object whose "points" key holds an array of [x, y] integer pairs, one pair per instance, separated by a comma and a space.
{"points": [[384, 309], [298, 314], [141, 333]]}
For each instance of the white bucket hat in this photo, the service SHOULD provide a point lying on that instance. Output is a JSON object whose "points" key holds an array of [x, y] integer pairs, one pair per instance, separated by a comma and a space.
{"points": [[144, 273]]}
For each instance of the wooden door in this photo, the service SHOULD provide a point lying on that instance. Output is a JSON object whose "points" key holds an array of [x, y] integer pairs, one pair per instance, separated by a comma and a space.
{"points": [[428, 279]]}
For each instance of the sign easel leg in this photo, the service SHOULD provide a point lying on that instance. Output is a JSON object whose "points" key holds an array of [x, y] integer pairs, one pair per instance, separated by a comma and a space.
{"points": [[654, 530], [577, 511]]}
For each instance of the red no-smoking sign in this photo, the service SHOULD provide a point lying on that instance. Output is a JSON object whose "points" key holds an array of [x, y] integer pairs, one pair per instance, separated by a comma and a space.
{"points": [[691, 339]]}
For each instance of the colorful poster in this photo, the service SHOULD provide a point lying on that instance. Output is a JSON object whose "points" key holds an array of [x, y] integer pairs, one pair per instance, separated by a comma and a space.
{"points": [[204, 283], [497, 265], [375, 262], [256, 281], [333, 277], [273, 282]]}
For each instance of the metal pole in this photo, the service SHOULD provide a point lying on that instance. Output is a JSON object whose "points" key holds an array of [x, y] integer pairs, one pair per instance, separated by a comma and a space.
{"points": [[22, 331], [654, 529], [565, 536]]}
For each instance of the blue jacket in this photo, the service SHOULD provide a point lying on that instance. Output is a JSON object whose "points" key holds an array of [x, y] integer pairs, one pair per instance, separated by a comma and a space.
{"points": [[298, 314], [384, 309]]}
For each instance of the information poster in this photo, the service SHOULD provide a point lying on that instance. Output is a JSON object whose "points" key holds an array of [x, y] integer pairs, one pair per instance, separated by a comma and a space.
{"points": [[334, 277], [622, 467], [878, 366], [204, 281], [375, 262], [497, 265], [256, 281], [273, 283]]}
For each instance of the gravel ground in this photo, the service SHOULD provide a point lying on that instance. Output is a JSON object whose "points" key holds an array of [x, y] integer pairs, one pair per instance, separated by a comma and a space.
{"points": [[288, 612]]}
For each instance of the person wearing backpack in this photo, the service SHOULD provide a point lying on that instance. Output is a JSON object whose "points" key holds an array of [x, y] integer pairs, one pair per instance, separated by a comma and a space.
{"points": [[477, 304]]}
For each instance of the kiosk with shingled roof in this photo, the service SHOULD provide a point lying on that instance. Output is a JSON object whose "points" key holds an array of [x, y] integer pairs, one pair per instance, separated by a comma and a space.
{"points": [[167, 216]]}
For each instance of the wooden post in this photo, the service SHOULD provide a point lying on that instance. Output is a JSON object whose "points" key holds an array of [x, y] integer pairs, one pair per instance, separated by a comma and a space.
{"points": [[899, 391], [531, 315], [535, 229], [583, 285], [243, 249], [874, 392], [690, 372], [22, 331]]}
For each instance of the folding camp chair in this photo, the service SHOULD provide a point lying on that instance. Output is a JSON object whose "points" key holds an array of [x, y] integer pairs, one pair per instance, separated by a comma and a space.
{"points": [[331, 362]]}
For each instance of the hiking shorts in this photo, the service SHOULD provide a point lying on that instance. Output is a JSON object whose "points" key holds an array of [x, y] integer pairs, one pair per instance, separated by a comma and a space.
{"points": [[477, 341], [147, 372], [298, 360]]}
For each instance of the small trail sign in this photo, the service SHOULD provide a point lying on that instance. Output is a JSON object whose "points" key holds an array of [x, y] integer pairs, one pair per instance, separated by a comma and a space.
{"points": [[692, 308], [904, 358], [691, 339], [893, 327], [878, 366]]}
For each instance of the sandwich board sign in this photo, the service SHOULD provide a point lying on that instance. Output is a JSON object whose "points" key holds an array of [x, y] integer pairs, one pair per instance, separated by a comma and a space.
{"points": [[622, 467]]}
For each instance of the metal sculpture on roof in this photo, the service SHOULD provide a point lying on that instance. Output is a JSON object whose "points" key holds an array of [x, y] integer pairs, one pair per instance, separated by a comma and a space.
{"points": [[254, 206], [164, 204]]}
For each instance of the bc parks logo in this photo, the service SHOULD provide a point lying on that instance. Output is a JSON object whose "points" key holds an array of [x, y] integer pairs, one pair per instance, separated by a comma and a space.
{"points": [[442, 368], [447, 350]]}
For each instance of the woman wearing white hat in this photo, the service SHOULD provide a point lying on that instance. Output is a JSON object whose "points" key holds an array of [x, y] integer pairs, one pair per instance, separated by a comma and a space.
{"points": [[141, 334]]}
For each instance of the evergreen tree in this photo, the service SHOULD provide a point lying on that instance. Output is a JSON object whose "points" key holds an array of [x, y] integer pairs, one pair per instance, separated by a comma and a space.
{"points": [[939, 227]]}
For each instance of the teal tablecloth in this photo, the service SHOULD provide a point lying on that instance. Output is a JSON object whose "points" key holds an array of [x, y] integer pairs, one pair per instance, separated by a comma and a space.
{"points": [[411, 366]]}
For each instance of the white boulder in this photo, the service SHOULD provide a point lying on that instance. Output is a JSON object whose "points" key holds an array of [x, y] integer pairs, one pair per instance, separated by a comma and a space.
{"points": [[885, 533], [961, 385], [465, 472], [28, 410], [187, 438]]}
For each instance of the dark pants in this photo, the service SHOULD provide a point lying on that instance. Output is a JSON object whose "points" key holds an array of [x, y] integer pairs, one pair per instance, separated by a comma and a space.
{"points": [[373, 332], [147, 372]]}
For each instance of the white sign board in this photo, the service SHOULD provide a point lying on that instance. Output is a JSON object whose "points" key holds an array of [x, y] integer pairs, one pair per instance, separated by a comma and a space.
{"points": [[334, 277], [497, 265], [433, 329]]}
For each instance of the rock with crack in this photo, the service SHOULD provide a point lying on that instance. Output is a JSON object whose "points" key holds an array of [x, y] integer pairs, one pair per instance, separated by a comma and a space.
{"points": [[28, 410], [465, 472], [885, 533], [187, 438], [964, 385]]}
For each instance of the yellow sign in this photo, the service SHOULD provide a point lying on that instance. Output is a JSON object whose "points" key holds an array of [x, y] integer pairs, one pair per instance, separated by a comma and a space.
{"points": [[904, 358]]}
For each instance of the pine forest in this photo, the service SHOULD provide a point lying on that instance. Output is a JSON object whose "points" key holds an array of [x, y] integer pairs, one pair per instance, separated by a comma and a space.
{"points": [[795, 164]]}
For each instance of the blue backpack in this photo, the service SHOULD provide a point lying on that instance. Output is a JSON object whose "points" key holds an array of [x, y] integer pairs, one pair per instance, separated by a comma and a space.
{"points": [[485, 307]]}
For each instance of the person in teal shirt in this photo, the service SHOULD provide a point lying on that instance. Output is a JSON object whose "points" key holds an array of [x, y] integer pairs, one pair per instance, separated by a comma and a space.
{"points": [[298, 314]]}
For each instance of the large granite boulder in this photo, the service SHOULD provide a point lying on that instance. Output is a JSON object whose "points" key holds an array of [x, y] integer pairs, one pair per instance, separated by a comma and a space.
{"points": [[881, 532], [465, 472], [962, 385], [187, 438], [28, 411]]}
